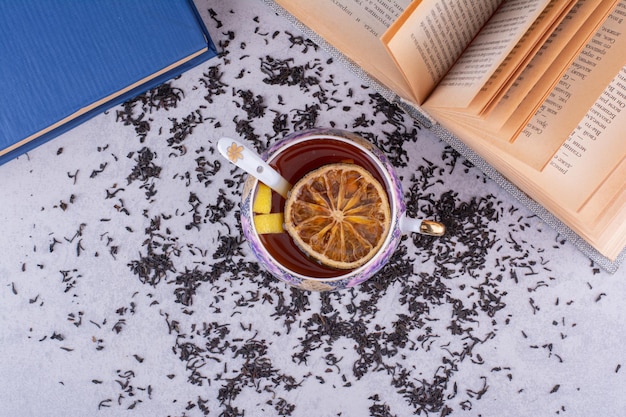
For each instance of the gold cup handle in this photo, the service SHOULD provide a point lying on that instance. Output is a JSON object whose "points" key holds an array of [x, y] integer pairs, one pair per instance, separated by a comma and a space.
{"points": [[425, 227], [431, 228]]}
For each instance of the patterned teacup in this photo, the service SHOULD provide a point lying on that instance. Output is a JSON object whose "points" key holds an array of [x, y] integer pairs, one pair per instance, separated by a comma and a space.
{"points": [[296, 155]]}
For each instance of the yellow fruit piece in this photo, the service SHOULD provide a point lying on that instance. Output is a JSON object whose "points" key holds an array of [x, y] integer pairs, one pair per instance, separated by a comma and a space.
{"points": [[338, 214], [263, 199], [269, 223]]}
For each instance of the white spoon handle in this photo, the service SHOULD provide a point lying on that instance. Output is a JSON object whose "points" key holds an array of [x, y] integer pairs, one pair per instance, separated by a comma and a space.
{"points": [[246, 159]]}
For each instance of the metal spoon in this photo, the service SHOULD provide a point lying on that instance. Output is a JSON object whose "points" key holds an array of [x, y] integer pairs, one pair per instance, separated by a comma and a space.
{"points": [[248, 160]]}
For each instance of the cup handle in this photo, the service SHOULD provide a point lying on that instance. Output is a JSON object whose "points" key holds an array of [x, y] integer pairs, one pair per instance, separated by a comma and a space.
{"points": [[425, 227]]}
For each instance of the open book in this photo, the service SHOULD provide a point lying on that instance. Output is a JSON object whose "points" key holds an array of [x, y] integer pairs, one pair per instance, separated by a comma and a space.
{"points": [[536, 88]]}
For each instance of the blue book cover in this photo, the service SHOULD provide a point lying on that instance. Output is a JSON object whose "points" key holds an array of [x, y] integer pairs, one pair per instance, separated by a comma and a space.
{"points": [[63, 61]]}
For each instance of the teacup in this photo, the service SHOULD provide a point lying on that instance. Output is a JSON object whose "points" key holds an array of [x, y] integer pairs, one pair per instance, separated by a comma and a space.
{"points": [[293, 157]]}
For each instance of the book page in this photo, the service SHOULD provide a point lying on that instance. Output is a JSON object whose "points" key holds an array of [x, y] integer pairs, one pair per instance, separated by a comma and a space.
{"points": [[486, 53], [595, 150], [431, 36], [354, 27], [550, 62], [587, 176], [583, 182], [520, 57], [502, 126], [574, 94]]}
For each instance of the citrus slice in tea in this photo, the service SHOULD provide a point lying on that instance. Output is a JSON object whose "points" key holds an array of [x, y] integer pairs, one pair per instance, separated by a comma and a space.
{"points": [[338, 214]]}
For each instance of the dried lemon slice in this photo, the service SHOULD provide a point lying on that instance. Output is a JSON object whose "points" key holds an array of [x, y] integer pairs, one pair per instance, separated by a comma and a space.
{"points": [[339, 215]]}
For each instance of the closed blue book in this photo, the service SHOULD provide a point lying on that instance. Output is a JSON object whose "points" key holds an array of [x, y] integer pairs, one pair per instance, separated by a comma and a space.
{"points": [[64, 61]]}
